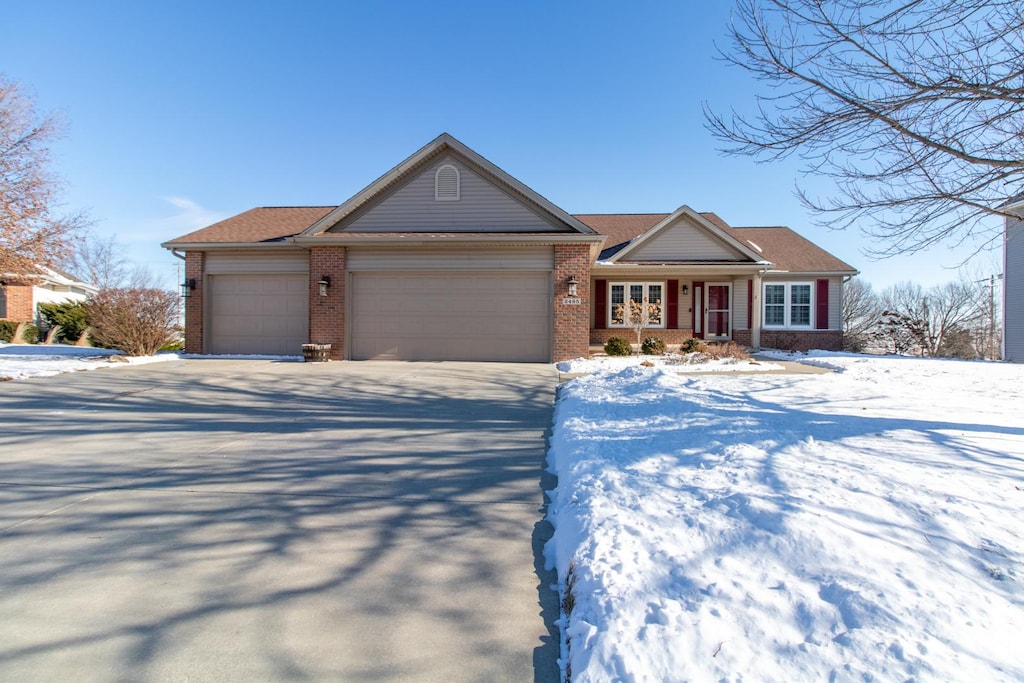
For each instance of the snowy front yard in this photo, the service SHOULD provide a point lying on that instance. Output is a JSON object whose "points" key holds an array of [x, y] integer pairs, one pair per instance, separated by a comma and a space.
{"points": [[862, 525]]}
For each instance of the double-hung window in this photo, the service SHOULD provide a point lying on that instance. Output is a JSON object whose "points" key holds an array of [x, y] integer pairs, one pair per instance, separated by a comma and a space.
{"points": [[788, 304], [641, 298]]}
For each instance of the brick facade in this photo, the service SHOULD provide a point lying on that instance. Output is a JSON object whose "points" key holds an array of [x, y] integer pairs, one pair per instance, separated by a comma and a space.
{"points": [[571, 325], [17, 301], [327, 313], [791, 340], [195, 264]]}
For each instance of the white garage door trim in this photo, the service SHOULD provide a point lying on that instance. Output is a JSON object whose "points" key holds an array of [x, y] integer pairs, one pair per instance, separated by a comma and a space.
{"points": [[502, 315], [257, 313]]}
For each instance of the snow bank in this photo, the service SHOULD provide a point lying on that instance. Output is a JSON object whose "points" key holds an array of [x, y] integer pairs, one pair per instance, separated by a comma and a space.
{"points": [[855, 526], [20, 361]]}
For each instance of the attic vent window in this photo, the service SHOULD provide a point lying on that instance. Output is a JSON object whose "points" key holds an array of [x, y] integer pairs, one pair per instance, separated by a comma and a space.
{"points": [[446, 184]]}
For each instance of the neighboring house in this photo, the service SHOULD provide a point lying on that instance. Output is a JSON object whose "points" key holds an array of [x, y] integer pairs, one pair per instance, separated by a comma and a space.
{"points": [[1013, 283], [20, 295], [446, 256]]}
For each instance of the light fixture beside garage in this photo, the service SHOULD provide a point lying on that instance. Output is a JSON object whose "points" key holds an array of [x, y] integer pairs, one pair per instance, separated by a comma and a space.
{"points": [[187, 287], [325, 283], [685, 289], [573, 284]]}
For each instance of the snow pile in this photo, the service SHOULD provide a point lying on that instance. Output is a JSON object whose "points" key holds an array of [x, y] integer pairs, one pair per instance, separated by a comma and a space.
{"points": [[864, 525], [692, 362], [20, 361]]}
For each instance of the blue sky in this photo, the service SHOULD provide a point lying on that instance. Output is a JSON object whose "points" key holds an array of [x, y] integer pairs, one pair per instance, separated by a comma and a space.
{"points": [[181, 114]]}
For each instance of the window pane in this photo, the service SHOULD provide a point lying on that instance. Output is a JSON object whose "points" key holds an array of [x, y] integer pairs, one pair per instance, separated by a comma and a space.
{"points": [[656, 305], [800, 305], [618, 309], [775, 305], [801, 295], [636, 293]]}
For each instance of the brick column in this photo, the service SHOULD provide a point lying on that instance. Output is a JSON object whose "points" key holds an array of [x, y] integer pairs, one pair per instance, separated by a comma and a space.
{"points": [[195, 264], [327, 313], [571, 329]]}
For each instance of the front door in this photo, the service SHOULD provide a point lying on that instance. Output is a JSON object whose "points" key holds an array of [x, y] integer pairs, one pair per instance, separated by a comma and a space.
{"points": [[718, 319]]}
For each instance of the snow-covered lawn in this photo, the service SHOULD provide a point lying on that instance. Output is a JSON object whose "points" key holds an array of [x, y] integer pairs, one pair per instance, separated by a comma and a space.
{"points": [[862, 525], [20, 361], [692, 362]]}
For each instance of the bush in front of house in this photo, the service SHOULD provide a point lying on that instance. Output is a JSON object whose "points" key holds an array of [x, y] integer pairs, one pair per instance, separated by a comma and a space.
{"points": [[70, 316], [692, 345], [9, 332], [136, 320], [726, 350], [617, 346], [652, 346]]}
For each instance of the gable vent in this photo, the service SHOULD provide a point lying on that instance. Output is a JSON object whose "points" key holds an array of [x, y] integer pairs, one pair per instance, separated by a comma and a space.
{"points": [[446, 183]]}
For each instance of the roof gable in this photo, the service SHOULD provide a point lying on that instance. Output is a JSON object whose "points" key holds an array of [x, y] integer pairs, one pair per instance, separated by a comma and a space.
{"points": [[403, 200], [686, 236]]}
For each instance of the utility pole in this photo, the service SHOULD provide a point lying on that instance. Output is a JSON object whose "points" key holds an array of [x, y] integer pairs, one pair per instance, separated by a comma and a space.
{"points": [[990, 353]]}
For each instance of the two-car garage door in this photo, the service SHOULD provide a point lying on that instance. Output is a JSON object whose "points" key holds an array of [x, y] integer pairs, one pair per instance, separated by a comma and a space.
{"points": [[495, 316]]}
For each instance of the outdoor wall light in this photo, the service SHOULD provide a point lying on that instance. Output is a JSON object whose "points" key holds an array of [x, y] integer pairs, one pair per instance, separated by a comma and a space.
{"points": [[325, 282], [686, 289], [573, 284], [187, 287]]}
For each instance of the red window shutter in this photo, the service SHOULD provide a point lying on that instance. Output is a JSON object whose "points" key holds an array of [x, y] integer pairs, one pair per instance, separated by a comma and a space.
{"points": [[821, 306], [672, 305], [600, 304], [750, 304]]}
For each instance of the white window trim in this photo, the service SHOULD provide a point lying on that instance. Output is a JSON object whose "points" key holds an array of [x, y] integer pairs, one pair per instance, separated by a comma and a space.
{"points": [[458, 184], [788, 304], [626, 286]]}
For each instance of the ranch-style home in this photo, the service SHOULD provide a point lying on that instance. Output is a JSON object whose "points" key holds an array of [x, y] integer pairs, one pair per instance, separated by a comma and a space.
{"points": [[447, 257]]}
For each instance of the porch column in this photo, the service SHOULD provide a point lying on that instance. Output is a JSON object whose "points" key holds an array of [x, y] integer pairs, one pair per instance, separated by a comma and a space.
{"points": [[755, 314]]}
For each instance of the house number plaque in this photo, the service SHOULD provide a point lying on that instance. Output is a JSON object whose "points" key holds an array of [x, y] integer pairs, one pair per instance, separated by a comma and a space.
{"points": [[571, 301]]}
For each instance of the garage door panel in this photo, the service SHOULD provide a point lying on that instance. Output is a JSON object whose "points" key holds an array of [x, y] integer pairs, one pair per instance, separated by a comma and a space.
{"points": [[451, 316], [258, 313]]}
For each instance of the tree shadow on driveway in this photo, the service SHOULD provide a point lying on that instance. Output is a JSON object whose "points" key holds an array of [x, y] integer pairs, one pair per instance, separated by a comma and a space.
{"points": [[248, 520]]}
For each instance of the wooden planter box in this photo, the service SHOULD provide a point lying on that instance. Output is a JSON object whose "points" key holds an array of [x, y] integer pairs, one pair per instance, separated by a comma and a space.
{"points": [[316, 353]]}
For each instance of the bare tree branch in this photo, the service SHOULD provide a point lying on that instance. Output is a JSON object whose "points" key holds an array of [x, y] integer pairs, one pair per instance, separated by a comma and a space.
{"points": [[914, 108], [31, 229]]}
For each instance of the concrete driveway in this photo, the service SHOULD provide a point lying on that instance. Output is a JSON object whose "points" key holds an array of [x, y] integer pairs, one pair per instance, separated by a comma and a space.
{"points": [[216, 520]]}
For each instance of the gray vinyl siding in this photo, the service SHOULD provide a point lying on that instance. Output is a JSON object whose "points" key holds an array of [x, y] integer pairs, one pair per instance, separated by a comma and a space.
{"points": [[684, 241], [835, 303], [1013, 296], [482, 207], [421, 259], [290, 261], [739, 305]]}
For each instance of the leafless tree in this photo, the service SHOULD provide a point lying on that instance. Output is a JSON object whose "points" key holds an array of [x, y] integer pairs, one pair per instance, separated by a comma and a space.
{"points": [[914, 108], [861, 310], [137, 321], [639, 316], [32, 230], [100, 262], [933, 317]]}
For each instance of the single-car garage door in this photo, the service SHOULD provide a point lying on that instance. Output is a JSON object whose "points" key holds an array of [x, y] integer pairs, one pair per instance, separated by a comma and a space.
{"points": [[486, 316], [258, 313]]}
